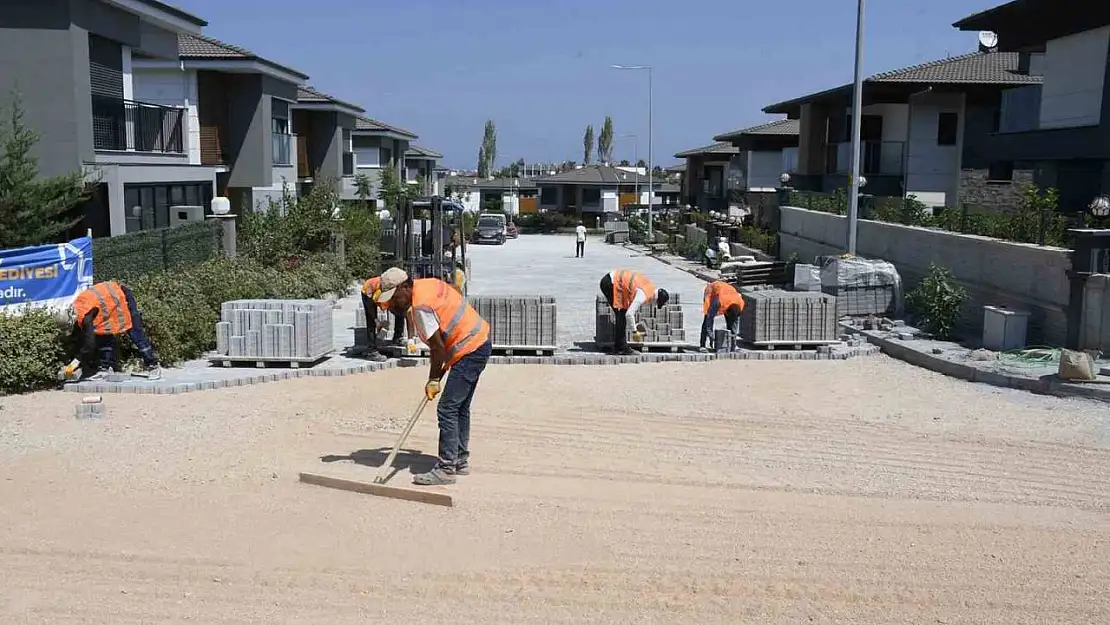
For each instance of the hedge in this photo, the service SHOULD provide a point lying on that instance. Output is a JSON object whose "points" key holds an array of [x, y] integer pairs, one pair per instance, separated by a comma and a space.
{"points": [[179, 311]]}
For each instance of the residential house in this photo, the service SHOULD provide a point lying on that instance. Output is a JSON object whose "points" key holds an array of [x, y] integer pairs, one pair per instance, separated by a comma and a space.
{"points": [[377, 146], [511, 196], [72, 63], [1059, 126], [925, 132], [711, 175], [765, 153], [591, 190], [420, 169], [324, 144]]}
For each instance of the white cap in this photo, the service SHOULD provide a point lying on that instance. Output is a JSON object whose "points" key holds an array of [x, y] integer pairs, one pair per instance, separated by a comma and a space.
{"points": [[391, 279]]}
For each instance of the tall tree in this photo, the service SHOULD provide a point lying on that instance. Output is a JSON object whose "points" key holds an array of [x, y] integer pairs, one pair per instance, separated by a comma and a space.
{"points": [[33, 210], [588, 145], [489, 145], [605, 141], [483, 163]]}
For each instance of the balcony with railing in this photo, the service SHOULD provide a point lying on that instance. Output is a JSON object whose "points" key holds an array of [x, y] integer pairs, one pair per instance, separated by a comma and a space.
{"points": [[125, 126], [283, 149], [348, 164], [877, 158]]}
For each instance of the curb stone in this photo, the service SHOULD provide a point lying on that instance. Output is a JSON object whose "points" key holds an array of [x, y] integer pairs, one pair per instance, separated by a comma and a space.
{"points": [[1049, 385]]}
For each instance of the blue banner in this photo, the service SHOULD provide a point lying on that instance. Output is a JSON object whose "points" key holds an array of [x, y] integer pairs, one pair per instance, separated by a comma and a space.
{"points": [[45, 275]]}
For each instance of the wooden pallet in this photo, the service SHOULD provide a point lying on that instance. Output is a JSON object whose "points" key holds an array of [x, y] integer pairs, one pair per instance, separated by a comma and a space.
{"points": [[524, 350], [775, 274], [265, 363], [786, 345]]}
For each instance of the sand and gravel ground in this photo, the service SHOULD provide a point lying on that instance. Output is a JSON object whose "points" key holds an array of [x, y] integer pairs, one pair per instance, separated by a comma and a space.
{"points": [[791, 492]]}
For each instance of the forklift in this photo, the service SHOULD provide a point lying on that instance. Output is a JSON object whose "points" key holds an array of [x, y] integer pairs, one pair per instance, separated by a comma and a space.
{"points": [[421, 245]]}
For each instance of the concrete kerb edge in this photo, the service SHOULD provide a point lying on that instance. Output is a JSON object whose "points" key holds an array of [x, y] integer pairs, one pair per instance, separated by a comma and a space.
{"points": [[585, 359], [898, 349]]}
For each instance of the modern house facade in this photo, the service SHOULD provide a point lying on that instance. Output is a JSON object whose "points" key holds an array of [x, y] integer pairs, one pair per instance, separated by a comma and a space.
{"points": [[324, 145], [925, 132], [72, 64], [511, 196], [590, 190], [1058, 127], [711, 174], [376, 146], [420, 169]]}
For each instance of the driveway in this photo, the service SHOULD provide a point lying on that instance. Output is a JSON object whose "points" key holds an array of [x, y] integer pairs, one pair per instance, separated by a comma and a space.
{"points": [[545, 265]]}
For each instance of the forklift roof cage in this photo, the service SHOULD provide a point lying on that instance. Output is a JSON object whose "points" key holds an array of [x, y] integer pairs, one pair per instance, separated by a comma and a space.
{"points": [[445, 216]]}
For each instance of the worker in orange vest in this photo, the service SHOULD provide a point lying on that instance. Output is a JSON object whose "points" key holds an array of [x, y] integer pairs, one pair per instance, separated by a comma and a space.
{"points": [[371, 308], [626, 291], [459, 341], [103, 312], [720, 298]]}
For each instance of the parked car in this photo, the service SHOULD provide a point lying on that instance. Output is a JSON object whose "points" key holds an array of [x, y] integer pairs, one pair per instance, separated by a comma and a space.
{"points": [[511, 231], [490, 229]]}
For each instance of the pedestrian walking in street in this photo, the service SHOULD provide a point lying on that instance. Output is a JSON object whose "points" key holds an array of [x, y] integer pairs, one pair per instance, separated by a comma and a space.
{"points": [[580, 245]]}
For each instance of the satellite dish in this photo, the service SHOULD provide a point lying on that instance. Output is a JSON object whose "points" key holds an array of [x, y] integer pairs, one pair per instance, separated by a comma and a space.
{"points": [[988, 41]]}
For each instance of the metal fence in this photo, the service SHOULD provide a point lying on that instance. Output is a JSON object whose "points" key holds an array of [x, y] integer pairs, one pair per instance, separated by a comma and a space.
{"points": [[140, 126], [129, 256]]}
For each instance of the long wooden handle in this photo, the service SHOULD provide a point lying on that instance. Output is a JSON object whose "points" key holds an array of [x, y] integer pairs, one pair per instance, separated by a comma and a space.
{"points": [[400, 441]]}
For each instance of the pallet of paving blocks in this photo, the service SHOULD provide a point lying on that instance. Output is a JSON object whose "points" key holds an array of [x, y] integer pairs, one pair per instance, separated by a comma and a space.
{"points": [[519, 323], [789, 318], [260, 332], [665, 326], [862, 287]]}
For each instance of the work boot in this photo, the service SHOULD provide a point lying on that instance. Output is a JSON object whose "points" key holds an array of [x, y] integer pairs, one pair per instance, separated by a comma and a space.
{"points": [[376, 356], [627, 351], [439, 476], [462, 468]]}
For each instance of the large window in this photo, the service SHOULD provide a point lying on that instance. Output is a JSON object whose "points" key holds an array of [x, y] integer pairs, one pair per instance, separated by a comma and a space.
{"points": [[548, 195], [147, 206], [591, 195]]}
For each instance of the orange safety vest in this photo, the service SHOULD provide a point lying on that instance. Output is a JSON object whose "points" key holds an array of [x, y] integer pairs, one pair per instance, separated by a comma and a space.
{"points": [[463, 329], [371, 285], [726, 294], [113, 316], [625, 283]]}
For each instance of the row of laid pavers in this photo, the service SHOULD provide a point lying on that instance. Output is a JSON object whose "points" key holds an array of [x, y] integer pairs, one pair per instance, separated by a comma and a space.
{"points": [[836, 352]]}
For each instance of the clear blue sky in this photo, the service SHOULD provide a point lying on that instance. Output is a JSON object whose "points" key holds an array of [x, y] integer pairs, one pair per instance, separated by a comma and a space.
{"points": [[541, 68]]}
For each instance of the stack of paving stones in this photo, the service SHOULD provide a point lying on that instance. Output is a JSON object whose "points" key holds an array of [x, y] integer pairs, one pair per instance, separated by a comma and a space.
{"points": [[519, 320], [862, 286], [775, 315], [274, 329], [664, 325]]}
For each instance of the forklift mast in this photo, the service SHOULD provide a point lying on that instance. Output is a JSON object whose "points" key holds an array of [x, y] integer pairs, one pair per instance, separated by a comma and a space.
{"points": [[439, 218]]}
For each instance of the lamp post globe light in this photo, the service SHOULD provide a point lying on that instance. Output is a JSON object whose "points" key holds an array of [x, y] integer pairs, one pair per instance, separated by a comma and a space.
{"points": [[784, 178], [651, 186], [1100, 206]]}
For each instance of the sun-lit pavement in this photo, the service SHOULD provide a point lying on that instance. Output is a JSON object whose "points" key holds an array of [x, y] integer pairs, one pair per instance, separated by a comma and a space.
{"points": [[545, 265]]}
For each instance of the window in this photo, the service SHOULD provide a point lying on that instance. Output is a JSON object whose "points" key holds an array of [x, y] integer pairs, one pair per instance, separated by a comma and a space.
{"points": [[591, 195], [368, 157], [947, 128], [548, 195], [386, 156], [280, 126], [147, 206], [1001, 171]]}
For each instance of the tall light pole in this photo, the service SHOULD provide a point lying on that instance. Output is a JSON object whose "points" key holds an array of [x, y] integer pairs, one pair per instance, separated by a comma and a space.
{"points": [[857, 117], [636, 157], [651, 186]]}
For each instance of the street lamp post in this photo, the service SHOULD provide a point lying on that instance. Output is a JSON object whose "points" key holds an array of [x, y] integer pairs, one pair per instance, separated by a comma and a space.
{"points": [[857, 117], [651, 186]]}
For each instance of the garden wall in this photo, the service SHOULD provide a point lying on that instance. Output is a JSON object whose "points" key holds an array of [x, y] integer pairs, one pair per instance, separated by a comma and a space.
{"points": [[1017, 275]]}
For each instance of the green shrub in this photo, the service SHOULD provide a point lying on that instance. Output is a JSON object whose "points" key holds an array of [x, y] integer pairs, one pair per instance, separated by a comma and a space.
{"points": [[938, 302], [32, 349]]}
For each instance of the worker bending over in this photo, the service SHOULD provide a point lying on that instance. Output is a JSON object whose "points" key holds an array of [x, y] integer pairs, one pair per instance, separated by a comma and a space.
{"points": [[626, 291], [373, 325], [720, 298], [459, 341], [103, 312]]}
